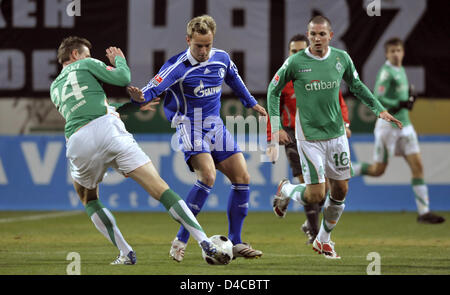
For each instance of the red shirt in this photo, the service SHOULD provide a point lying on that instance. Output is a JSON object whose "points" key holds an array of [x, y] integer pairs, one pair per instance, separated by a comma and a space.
{"points": [[288, 108]]}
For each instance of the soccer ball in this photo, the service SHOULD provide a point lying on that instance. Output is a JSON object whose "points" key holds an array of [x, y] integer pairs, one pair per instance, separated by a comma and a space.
{"points": [[223, 244]]}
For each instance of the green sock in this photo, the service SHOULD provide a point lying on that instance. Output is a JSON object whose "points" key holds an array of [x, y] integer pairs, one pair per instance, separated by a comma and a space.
{"points": [[364, 168], [179, 211]]}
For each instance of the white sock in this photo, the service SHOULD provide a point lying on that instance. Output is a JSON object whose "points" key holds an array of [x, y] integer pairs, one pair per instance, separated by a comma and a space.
{"points": [[356, 169], [295, 192], [105, 222], [179, 211], [421, 197], [332, 211]]}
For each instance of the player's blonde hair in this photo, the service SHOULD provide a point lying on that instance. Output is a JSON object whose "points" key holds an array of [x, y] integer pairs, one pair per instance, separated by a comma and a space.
{"points": [[201, 24]]}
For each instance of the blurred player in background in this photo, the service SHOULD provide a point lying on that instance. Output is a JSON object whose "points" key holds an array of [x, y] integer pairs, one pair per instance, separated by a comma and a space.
{"points": [[288, 108], [316, 73], [393, 90], [97, 139], [193, 81]]}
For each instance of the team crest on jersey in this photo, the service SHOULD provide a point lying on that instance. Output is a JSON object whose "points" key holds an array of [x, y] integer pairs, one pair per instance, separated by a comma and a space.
{"points": [[275, 80], [157, 80], [338, 66], [221, 72]]}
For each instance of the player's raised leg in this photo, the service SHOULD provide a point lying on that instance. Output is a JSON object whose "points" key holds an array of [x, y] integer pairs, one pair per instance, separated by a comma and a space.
{"points": [[313, 190], [106, 224], [235, 168], [149, 179], [375, 169], [384, 148]]}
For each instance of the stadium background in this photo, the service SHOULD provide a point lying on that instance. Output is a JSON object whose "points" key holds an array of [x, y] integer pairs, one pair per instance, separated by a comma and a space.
{"points": [[33, 168]]}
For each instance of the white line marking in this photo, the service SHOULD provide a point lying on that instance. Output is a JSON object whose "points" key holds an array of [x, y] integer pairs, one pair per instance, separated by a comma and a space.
{"points": [[40, 216]]}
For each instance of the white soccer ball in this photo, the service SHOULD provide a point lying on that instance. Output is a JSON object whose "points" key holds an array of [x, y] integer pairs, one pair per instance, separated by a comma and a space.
{"points": [[222, 244]]}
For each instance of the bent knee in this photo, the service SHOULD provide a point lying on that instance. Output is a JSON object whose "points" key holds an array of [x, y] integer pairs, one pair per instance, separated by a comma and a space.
{"points": [[243, 178], [208, 178], [339, 193]]}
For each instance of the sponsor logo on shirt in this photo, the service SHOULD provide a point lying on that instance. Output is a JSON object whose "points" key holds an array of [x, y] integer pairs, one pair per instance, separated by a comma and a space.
{"points": [[304, 70], [201, 91], [316, 85], [110, 68]]}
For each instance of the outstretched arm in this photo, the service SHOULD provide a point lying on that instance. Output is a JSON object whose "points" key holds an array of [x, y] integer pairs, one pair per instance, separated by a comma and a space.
{"points": [[118, 75], [137, 95]]}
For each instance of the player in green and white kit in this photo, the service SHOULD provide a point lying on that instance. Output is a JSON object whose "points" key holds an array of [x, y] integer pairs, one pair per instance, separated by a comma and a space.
{"points": [[392, 89], [97, 139], [316, 73]]}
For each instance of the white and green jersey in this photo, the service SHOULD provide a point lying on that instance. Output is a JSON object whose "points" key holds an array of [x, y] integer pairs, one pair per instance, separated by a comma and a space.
{"points": [[391, 87], [77, 92], [316, 85]]}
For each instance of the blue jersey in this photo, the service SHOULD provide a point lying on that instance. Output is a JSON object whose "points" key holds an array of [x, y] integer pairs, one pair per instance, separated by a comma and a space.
{"points": [[190, 84]]}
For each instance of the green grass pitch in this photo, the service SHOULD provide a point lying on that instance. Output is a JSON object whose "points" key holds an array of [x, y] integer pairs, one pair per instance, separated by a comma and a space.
{"points": [[32, 245]]}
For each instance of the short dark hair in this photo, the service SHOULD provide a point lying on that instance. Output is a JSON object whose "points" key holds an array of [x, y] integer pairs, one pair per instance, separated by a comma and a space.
{"points": [[68, 45], [320, 19], [395, 41], [299, 37]]}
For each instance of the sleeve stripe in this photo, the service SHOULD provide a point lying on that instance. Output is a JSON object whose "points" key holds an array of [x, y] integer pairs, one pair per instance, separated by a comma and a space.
{"points": [[169, 69], [164, 73]]}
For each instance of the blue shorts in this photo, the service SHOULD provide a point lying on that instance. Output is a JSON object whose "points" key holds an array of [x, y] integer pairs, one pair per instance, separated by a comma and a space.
{"points": [[216, 141]]}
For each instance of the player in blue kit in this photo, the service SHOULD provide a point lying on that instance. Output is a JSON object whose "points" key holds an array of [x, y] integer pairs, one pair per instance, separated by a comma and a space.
{"points": [[193, 81]]}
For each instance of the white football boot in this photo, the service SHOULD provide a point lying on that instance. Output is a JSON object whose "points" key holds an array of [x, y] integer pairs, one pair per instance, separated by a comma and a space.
{"points": [[177, 250], [129, 259], [327, 249]]}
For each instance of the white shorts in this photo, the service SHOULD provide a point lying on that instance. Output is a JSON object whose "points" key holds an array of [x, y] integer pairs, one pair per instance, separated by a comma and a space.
{"points": [[325, 158], [102, 143], [391, 141]]}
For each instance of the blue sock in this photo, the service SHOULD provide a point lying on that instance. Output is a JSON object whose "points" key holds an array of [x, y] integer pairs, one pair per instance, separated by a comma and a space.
{"points": [[237, 210], [195, 201]]}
